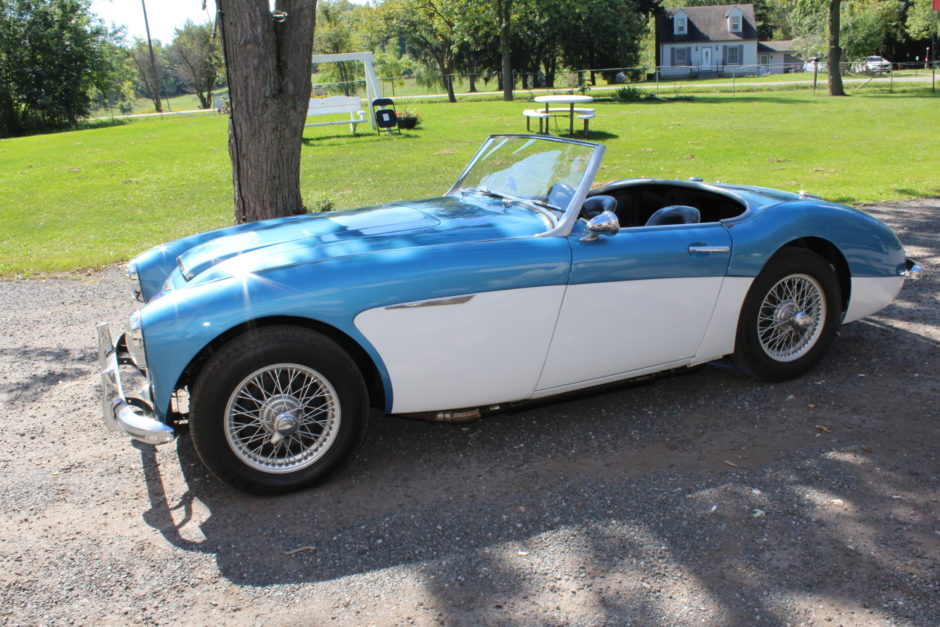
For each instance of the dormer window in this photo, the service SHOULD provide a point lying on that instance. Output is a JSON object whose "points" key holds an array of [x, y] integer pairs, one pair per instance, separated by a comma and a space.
{"points": [[680, 24], [734, 21]]}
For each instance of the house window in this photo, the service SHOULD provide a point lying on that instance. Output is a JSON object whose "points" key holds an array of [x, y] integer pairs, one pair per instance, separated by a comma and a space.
{"points": [[680, 24], [681, 56], [734, 23], [733, 55]]}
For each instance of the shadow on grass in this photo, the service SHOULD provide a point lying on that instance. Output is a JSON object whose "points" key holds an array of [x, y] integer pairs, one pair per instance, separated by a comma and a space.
{"points": [[358, 138], [93, 124], [750, 98], [913, 193], [591, 135], [84, 125]]}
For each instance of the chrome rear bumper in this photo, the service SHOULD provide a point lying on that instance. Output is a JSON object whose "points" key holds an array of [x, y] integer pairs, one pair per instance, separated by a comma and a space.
{"points": [[135, 417], [912, 271]]}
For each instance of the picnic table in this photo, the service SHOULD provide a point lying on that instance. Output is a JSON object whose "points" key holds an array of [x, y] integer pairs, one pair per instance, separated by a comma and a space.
{"points": [[569, 99]]}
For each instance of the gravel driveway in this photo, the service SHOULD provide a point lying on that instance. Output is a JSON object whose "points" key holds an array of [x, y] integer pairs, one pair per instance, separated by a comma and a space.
{"points": [[702, 497]]}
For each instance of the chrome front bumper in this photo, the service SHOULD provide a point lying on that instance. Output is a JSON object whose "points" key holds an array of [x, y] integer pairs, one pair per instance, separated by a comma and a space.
{"points": [[135, 417]]}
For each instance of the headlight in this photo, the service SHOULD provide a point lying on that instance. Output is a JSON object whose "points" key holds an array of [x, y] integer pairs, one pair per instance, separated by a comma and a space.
{"points": [[135, 341], [133, 277]]}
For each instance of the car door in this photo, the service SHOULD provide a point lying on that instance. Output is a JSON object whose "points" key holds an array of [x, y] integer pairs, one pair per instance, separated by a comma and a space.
{"points": [[639, 300]]}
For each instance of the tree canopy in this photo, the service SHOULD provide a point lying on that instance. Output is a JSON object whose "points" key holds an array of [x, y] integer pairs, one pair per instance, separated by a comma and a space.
{"points": [[53, 53]]}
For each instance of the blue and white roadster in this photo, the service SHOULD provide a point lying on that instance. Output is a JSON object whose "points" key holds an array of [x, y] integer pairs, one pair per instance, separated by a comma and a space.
{"points": [[273, 340]]}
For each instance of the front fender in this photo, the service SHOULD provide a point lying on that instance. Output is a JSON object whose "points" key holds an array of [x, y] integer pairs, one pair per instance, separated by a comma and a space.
{"points": [[180, 323]]}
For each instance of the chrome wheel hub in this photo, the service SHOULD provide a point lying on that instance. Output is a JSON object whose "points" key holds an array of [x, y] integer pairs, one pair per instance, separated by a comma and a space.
{"points": [[791, 317], [282, 418]]}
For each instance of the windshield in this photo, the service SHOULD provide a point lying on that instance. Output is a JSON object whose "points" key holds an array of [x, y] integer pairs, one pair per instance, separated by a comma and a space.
{"points": [[538, 171]]}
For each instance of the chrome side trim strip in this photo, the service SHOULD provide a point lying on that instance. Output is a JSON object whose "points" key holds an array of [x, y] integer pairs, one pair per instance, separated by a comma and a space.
{"points": [[434, 302]]}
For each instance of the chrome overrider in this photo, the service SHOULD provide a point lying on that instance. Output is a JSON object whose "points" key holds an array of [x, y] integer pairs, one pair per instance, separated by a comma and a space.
{"points": [[912, 271], [132, 416]]}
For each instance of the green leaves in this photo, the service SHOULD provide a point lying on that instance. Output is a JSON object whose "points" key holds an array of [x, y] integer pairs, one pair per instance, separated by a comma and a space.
{"points": [[51, 52]]}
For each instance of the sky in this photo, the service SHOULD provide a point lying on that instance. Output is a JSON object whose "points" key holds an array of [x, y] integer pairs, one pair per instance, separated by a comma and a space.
{"points": [[165, 16]]}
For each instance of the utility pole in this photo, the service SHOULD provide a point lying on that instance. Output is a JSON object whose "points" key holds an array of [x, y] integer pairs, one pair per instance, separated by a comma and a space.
{"points": [[153, 62]]}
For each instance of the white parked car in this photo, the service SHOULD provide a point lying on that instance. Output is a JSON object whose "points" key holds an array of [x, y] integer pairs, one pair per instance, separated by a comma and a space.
{"points": [[874, 65], [814, 64]]}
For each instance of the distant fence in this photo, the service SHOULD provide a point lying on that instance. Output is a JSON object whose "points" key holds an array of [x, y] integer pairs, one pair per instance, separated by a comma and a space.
{"points": [[430, 85]]}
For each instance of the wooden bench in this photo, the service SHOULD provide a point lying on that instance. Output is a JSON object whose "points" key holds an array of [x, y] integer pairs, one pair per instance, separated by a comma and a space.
{"points": [[336, 105], [545, 114]]}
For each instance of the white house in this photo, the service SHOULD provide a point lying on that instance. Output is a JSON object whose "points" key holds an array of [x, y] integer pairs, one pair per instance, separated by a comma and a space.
{"points": [[777, 57], [707, 41]]}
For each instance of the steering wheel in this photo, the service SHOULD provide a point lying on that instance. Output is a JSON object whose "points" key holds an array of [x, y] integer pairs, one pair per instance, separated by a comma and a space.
{"points": [[560, 195]]}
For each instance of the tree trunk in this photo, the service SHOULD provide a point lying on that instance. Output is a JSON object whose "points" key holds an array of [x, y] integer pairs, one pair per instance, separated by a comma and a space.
{"points": [[504, 15], [268, 65], [447, 72], [835, 52]]}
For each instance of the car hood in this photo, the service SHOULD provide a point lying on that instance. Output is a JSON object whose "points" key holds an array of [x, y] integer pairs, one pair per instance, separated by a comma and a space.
{"points": [[290, 241]]}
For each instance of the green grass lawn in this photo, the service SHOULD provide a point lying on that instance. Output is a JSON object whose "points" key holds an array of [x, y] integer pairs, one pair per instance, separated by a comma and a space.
{"points": [[83, 199]]}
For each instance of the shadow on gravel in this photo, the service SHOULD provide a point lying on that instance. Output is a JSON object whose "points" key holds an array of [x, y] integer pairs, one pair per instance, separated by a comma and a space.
{"points": [[704, 497], [50, 367], [710, 490]]}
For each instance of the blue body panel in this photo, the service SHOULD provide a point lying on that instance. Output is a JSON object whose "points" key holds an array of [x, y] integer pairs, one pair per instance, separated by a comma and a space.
{"points": [[302, 239], [334, 290], [657, 252], [330, 267], [870, 248]]}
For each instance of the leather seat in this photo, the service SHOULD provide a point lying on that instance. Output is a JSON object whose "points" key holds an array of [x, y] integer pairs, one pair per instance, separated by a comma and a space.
{"points": [[675, 214], [596, 205]]}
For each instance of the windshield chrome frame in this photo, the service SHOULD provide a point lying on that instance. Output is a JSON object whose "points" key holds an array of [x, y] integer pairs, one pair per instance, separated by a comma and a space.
{"points": [[570, 214]]}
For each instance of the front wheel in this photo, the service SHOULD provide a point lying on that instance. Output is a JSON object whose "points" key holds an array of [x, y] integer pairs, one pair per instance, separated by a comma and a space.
{"points": [[790, 316], [277, 409]]}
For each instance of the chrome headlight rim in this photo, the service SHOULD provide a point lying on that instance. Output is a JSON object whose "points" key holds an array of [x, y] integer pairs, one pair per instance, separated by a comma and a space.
{"points": [[134, 278], [135, 341]]}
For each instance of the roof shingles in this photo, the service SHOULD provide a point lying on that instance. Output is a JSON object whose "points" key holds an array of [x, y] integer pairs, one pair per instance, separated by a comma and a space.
{"points": [[708, 24]]}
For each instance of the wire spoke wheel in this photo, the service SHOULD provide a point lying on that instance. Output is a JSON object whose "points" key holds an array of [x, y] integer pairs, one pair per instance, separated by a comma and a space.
{"points": [[791, 317], [282, 418]]}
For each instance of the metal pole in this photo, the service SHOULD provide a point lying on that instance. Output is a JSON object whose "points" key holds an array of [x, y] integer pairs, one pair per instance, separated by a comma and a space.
{"points": [[153, 62], [933, 50]]}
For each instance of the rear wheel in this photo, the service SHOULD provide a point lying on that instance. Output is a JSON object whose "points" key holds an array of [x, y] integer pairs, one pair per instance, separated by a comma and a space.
{"points": [[790, 316], [277, 409]]}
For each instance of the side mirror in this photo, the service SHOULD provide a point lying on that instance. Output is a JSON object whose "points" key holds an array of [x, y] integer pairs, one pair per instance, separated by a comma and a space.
{"points": [[606, 223]]}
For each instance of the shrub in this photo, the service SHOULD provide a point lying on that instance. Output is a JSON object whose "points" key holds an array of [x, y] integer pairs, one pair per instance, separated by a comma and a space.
{"points": [[633, 94]]}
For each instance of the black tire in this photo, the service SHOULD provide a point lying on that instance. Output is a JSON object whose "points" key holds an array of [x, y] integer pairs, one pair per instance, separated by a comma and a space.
{"points": [[251, 417], [790, 316]]}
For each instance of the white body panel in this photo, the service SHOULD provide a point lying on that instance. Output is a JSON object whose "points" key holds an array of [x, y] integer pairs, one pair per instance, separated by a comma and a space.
{"points": [[871, 294], [447, 354], [608, 329], [723, 328]]}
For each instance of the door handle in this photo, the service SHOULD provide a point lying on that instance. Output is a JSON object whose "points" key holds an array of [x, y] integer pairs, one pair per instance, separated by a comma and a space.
{"points": [[702, 249]]}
